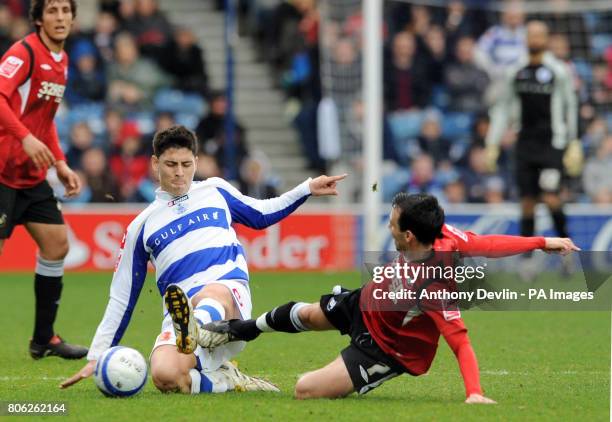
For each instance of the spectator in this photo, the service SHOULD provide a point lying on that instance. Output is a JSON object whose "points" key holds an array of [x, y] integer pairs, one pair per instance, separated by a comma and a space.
{"points": [[145, 191], [431, 141], [596, 177], [211, 132], [87, 82], [184, 60], [476, 175], [206, 167], [133, 80], [422, 178], [407, 84], [503, 45], [435, 52], [457, 23], [113, 122], [255, 177], [420, 23], [466, 82], [454, 192], [127, 162], [104, 35], [81, 139], [595, 133], [20, 27], [151, 30], [100, 180], [494, 190], [561, 21], [5, 28]]}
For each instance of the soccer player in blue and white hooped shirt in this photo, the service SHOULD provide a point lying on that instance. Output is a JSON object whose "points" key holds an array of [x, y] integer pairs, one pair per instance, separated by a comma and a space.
{"points": [[201, 268]]}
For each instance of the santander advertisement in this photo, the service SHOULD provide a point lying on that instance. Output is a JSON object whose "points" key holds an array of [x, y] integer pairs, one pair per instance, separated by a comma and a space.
{"points": [[299, 242], [304, 241]]}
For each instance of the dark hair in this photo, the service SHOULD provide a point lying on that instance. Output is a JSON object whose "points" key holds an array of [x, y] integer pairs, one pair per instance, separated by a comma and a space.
{"points": [[174, 137], [38, 6], [421, 214]]}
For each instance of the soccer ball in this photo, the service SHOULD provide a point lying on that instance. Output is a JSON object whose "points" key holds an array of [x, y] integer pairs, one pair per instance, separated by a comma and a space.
{"points": [[120, 372]]}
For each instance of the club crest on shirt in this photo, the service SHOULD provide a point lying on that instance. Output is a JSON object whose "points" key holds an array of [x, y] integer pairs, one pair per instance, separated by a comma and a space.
{"points": [[543, 75], [45, 66], [180, 208], [10, 66]]}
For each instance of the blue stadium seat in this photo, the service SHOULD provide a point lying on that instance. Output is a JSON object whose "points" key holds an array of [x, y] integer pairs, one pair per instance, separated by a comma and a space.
{"points": [[457, 126], [440, 98], [584, 70], [145, 121], [189, 120], [175, 101], [599, 43], [592, 21], [405, 124]]}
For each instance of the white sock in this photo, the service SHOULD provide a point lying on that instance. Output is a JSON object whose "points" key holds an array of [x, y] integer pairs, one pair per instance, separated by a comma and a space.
{"points": [[208, 382], [208, 310]]}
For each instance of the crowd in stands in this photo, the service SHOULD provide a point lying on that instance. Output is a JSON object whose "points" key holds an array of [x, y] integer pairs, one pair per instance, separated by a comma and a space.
{"points": [[134, 73], [442, 67]]}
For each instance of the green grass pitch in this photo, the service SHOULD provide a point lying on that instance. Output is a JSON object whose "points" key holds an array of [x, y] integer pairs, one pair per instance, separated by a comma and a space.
{"points": [[537, 365]]}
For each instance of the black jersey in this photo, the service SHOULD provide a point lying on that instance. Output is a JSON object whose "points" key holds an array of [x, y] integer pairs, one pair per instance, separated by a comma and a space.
{"points": [[544, 98]]}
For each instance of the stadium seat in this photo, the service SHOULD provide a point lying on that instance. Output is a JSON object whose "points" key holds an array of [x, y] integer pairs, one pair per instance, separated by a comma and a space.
{"points": [[440, 98], [584, 70], [189, 120], [406, 124], [175, 101], [145, 121], [457, 126], [599, 43]]}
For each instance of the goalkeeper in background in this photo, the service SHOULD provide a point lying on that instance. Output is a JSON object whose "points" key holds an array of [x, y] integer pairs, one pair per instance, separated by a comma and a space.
{"points": [[540, 89]]}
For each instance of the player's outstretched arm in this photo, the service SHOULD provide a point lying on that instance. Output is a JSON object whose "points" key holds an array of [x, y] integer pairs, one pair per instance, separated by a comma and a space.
{"points": [[560, 245], [84, 372], [261, 213]]}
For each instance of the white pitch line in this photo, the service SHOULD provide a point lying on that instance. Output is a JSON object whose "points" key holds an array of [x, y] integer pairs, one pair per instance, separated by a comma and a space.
{"points": [[503, 372], [3, 378]]}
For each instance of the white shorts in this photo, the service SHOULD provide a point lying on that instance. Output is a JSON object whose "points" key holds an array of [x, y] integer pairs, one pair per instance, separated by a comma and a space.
{"points": [[211, 360]]}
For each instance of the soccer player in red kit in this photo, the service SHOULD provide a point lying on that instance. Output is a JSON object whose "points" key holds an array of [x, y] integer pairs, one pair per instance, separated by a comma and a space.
{"points": [[387, 342], [32, 82]]}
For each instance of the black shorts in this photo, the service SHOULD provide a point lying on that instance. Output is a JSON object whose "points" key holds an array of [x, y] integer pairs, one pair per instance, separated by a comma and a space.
{"points": [[539, 173], [367, 364], [36, 205]]}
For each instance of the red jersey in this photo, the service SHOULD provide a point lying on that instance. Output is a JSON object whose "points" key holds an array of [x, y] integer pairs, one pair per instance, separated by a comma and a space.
{"points": [[411, 335], [28, 103]]}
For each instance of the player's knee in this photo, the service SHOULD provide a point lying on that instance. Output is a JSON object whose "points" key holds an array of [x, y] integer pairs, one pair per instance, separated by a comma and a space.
{"points": [[304, 388], [307, 315], [57, 251], [307, 388], [312, 317], [166, 378]]}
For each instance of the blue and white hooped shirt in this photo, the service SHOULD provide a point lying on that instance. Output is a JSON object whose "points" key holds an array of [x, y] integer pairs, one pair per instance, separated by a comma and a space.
{"points": [[190, 240]]}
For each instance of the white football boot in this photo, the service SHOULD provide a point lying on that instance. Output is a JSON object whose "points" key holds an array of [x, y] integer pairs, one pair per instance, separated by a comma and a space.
{"points": [[242, 382]]}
